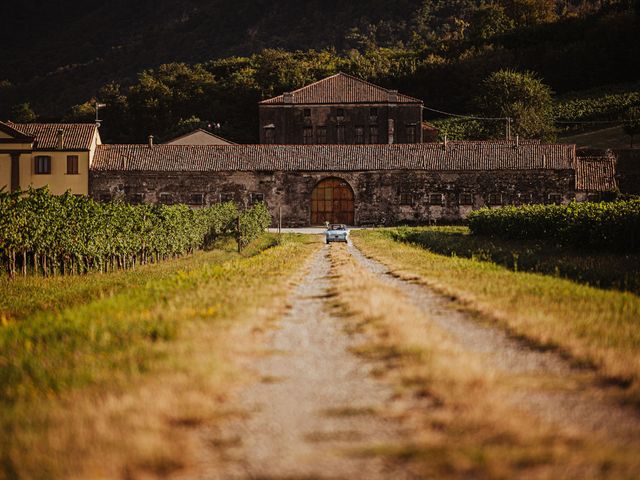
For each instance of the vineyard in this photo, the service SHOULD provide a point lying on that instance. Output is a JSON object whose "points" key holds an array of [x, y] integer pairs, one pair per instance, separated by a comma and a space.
{"points": [[41, 233], [603, 226]]}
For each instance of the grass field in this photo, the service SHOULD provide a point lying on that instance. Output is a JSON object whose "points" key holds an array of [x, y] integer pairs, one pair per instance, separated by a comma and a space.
{"points": [[98, 367], [461, 410], [592, 326], [599, 269]]}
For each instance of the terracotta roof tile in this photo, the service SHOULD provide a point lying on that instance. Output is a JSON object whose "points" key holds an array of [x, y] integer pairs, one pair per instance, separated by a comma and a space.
{"points": [[596, 174], [342, 89], [425, 156], [77, 136]]}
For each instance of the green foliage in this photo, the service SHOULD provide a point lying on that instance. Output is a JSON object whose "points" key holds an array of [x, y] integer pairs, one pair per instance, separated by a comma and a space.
{"points": [[23, 113], [519, 96], [605, 103], [603, 226], [72, 234]]}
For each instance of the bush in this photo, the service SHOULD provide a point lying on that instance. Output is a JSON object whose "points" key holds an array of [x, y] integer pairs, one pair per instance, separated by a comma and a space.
{"points": [[606, 226]]}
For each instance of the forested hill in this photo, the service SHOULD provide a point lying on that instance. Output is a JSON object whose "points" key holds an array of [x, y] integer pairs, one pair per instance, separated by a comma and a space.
{"points": [[59, 54]]}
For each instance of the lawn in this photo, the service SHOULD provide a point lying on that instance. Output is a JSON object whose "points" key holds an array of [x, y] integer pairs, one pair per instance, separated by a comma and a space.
{"points": [[101, 375], [592, 326]]}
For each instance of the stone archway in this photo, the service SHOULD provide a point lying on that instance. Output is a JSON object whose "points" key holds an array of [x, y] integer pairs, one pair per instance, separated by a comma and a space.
{"points": [[332, 200]]}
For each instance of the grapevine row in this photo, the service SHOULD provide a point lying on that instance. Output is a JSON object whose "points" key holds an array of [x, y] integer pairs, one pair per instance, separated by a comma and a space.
{"points": [[45, 234]]}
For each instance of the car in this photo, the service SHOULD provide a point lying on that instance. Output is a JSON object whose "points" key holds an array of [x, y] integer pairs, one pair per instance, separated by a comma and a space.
{"points": [[337, 233]]}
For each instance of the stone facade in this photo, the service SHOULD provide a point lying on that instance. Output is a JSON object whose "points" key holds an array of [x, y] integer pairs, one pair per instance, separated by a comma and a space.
{"points": [[381, 197]]}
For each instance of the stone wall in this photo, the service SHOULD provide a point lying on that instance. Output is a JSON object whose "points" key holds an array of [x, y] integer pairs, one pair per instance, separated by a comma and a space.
{"points": [[381, 197]]}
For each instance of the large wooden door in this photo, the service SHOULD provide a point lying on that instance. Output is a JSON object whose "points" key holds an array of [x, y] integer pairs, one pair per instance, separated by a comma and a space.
{"points": [[332, 201]]}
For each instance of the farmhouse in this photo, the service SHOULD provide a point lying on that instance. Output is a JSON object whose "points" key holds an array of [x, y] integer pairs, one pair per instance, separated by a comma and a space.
{"points": [[339, 150]]}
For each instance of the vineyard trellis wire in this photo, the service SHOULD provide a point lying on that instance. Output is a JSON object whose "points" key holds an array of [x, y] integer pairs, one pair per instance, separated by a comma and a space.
{"points": [[41, 233]]}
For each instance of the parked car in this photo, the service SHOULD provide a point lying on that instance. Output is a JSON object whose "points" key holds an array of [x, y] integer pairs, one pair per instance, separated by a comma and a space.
{"points": [[337, 233]]}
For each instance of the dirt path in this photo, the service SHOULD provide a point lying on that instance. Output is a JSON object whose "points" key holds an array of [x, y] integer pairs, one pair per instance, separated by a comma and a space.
{"points": [[571, 400], [315, 407]]}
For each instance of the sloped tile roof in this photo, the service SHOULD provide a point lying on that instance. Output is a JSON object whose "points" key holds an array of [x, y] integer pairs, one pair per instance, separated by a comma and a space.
{"points": [[596, 174], [425, 156], [342, 89], [77, 136]]}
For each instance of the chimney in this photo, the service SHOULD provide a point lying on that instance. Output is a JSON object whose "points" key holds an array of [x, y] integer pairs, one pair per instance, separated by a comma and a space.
{"points": [[150, 141], [393, 96], [445, 142], [288, 97], [60, 139], [517, 141], [544, 161]]}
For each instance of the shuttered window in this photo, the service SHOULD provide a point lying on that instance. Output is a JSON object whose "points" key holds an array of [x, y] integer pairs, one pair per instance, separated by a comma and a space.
{"points": [[72, 165], [42, 165]]}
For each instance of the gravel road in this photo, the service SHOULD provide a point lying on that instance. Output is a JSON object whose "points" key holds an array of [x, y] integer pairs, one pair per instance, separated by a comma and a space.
{"points": [[316, 405]]}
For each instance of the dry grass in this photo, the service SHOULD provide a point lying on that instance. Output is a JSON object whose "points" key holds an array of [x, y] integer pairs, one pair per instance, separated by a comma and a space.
{"points": [[143, 424], [463, 418], [593, 327]]}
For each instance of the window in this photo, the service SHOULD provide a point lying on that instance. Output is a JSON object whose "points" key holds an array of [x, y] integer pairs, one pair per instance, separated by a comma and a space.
{"points": [[307, 135], [196, 199], [307, 113], [226, 197], [359, 135], [136, 198], [340, 114], [594, 197], [270, 136], [465, 199], [373, 134], [340, 134], [495, 199], [523, 198], [256, 198], [165, 198], [411, 134], [555, 198], [406, 198], [322, 134], [436, 199], [42, 165], [373, 115], [105, 197]]}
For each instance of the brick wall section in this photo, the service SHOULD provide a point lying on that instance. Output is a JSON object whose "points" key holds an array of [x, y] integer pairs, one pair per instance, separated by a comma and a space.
{"points": [[377, 192]]}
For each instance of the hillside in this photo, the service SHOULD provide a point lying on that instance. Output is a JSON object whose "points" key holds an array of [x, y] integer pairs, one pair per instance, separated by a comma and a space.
{"points": [[435, 50]]}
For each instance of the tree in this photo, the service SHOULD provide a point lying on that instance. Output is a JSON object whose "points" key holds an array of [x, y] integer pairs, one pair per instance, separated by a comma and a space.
{"points": [[83, 113], [23, 113], [632, 123], [522, 97]]}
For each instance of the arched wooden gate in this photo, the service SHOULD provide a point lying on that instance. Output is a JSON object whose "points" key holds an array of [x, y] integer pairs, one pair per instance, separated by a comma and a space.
{"points": [[332, 201]]}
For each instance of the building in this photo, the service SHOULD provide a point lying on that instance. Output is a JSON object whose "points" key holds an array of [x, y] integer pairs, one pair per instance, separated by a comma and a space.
{"points": [[341, 109], [199, 137], [40, 154], [353, 184]]}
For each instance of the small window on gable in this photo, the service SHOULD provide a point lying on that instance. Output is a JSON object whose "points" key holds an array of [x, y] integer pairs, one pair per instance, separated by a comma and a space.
{"points": [[72, 165], [105, 197], [42, 165], [406, 198], [322, 135], [165, 198], [136, 198], [227, 197], [256, 198], [196, 199], [494, 199], [465, 199], [436, 199], [555, 198], [307, 135]]}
